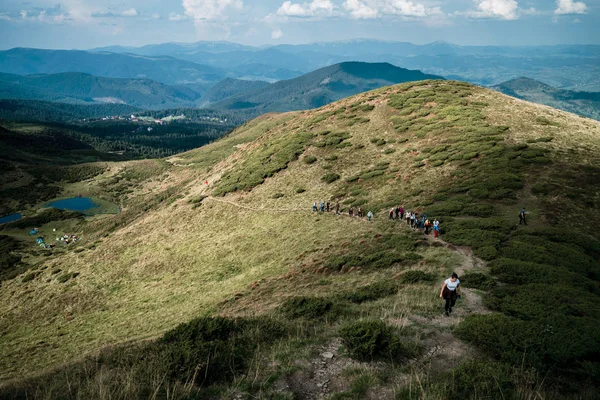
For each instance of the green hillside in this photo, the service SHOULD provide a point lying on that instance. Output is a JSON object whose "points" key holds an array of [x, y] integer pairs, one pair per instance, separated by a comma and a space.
{"points": [[74, 87], [230, 87], [586, 104], [218, 281], [321, 87]]}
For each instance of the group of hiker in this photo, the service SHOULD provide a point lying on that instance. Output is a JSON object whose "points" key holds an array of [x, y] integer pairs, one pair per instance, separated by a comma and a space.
{"points": [[413, 219]]}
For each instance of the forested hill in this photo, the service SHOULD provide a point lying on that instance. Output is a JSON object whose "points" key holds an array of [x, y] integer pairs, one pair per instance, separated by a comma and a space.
{"points": [[45, 111], [321, 87], [74, 87]]}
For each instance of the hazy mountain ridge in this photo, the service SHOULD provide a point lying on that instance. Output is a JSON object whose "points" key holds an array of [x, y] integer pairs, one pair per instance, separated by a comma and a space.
{"points": [[162, 68], [568, 66], [586, 104]]}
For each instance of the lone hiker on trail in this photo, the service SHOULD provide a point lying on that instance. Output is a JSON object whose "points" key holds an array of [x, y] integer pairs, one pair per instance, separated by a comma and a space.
{"points": [[450, 291], [370, 215], [522, 219], [315, 206]]}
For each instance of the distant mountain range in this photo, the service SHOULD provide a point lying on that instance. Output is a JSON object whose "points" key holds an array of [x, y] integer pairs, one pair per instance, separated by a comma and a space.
{"points": [[586, 104], [564, 66], [162, 69], [321, 87], [205, 63]]}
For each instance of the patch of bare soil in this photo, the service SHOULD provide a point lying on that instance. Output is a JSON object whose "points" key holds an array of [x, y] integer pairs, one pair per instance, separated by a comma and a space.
{"points": [[319, 378]]}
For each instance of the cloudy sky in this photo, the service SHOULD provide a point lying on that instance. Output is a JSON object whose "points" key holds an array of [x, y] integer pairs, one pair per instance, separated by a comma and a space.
{"points": [[86, 24]]}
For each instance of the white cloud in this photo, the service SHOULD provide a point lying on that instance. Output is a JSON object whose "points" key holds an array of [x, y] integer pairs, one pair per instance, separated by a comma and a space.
{"points": [[112, 13], [155, 16], [570, 7], [132, 12], [177, 17], [53, 15], [5, 17], [498, 9], [315, 8], [360, 10], [409, 9], [209, 10], [276, 34]]}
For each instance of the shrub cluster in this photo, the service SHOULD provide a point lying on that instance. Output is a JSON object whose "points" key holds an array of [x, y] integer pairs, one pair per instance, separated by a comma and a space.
{"points": [[368, 340]]}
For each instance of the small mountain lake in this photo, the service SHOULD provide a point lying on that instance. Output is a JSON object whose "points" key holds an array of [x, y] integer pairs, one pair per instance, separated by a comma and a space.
{"points": [[81, 204], [10, 218]]}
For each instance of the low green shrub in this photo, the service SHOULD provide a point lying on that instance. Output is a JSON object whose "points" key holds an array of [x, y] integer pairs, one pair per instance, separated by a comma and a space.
{"points": [[278, 195], [309, 307], [378, 141], [371, 292], [310, 159], [330, 178], [556, 343], [480, 380], [416, 277], [213, 349], [368, 340], [30, 276], [65, 277], [477, 280], [371, 174]]}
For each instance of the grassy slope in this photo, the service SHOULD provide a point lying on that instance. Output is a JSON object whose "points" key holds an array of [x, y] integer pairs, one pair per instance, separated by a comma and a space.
{"points": [[166, 260]]}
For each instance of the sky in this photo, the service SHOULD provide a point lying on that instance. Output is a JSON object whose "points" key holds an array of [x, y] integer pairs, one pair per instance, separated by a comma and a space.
{"points": [[86, 24]]}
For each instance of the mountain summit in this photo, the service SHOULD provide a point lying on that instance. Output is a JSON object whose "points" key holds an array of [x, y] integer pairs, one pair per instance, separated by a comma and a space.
{"points": [[322, 86]]}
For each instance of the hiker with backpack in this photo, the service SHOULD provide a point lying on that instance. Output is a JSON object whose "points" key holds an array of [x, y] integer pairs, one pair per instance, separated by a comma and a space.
{"points": [[391, 213], [522, 219], [370, 215], [351, 212], [327, 207], [396, 212], [436, 228], [450, 292], [337, 208], [413, 217], [315, 206], [401, 213], [427, 225], [322, 206]]}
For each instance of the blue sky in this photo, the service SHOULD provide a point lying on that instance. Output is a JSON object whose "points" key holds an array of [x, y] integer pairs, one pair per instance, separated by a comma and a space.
{"points": [[91, 23]]}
